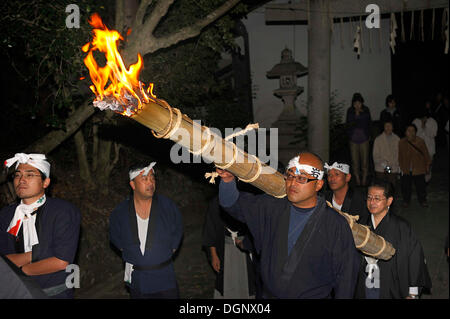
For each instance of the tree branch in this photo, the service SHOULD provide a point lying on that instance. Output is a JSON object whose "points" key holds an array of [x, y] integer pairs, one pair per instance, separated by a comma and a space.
{"points": [[119, 20], [187, 32], [116, 156], [157, 14], [141, 13]]}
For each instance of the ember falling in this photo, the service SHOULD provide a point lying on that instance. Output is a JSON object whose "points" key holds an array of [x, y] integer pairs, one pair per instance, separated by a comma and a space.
{"points": [[126, 95]]}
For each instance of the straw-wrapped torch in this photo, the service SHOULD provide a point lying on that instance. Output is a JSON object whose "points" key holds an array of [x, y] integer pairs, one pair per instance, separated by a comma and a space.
{"points": [[127, 96]]}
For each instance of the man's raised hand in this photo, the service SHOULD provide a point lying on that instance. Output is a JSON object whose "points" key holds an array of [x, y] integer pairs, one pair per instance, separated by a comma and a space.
{"points": [[225, 175]]}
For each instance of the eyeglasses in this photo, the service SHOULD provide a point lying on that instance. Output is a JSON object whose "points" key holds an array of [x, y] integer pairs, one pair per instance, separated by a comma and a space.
{"points": [[375, 198], [298, 178], [26, 176]]}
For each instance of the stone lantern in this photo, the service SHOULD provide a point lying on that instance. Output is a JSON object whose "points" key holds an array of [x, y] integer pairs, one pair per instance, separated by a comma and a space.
{"points": [[287, 71]]}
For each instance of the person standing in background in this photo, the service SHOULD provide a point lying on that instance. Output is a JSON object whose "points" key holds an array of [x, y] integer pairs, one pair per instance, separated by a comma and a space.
{"points": [[358, 127]]}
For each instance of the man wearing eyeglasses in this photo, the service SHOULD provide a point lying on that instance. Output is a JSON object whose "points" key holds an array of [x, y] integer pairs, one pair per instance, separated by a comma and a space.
{"points": [[307, 249], [147, 229], [40, 234], [404, 275]]}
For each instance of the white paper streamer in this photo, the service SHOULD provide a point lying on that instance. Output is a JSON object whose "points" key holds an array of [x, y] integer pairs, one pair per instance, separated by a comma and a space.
{"points": [[357, 41], [393, 34]]}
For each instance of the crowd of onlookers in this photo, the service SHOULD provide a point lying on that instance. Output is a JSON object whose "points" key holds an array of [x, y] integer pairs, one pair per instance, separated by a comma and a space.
{"points": [[403, 151]]}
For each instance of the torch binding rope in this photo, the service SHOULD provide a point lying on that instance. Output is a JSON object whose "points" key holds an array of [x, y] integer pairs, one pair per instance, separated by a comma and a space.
{"points": [[208, 142], [255, 177], [176, 126], [168, 127], [233, 160], [351, 218], [366, 239], [380, 251], [279, 196], [212, 176], [169, 130]]}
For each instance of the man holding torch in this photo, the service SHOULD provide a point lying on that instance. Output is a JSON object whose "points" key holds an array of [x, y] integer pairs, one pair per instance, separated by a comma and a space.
{"points": [[306, 249]]}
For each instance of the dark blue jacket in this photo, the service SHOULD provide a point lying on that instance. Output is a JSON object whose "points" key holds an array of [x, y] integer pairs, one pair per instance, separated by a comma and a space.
{"points": [[164, 234], [58, 229]]}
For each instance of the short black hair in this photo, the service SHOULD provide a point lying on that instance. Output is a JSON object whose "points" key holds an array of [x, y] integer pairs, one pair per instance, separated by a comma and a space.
{"points": [[339, 160], [412, 125], [357, 97], [43, 176], [388, 188], [390, 98]]}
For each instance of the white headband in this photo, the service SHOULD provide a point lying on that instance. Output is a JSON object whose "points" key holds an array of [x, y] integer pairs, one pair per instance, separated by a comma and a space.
{"points": [[311, 170], [35, 160], [146, 170], [344, 168]]}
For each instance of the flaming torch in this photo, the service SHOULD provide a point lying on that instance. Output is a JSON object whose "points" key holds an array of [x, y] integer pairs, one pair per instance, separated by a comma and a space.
{"points": [[128, 96]]}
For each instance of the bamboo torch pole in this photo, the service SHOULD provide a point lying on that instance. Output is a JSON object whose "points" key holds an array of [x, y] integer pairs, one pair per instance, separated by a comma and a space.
{"points": [[161, 118], [168, 122]]}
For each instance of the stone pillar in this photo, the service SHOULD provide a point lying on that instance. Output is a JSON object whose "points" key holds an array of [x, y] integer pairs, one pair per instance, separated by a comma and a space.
{"points": [[319, 39]]}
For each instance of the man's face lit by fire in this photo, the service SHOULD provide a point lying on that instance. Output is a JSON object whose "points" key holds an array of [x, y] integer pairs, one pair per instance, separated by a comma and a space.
{"points": [[144, 186]]}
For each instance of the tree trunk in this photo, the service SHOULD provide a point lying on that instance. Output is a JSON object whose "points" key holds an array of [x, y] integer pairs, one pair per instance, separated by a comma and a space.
{"points": [[85, 172]]}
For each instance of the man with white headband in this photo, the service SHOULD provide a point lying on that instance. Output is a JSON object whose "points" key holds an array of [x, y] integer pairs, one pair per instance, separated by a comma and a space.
{"points": [[307, 249], [40, 234], [341, 195], [147, 229]]}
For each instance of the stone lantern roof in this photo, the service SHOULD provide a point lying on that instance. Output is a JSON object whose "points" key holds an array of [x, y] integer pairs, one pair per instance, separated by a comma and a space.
{"points": [[287, 66]]}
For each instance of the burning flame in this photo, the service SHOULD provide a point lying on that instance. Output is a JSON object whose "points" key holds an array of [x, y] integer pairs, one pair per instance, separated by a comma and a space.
{"points": [[125, 93]]}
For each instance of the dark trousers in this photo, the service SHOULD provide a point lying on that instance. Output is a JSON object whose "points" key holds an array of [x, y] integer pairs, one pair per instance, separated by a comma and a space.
{"points": [[166, 294], [419, 182]]}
